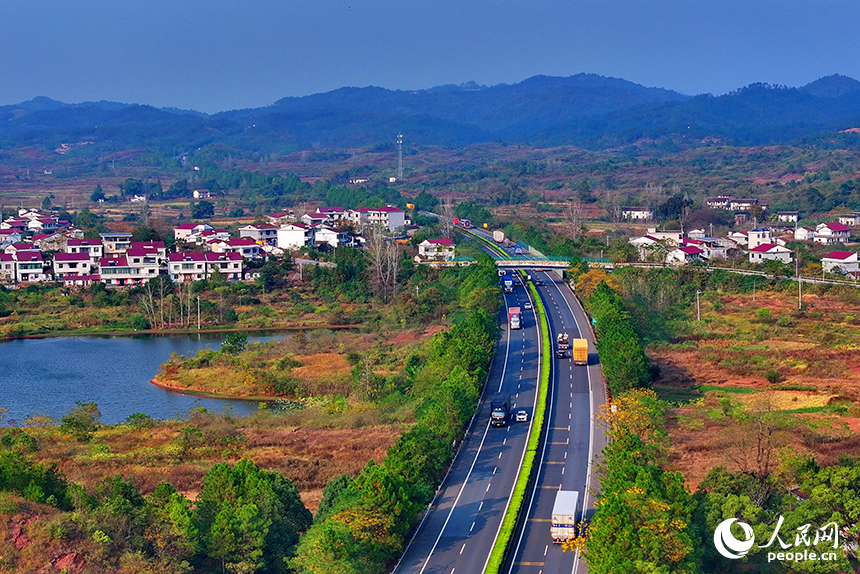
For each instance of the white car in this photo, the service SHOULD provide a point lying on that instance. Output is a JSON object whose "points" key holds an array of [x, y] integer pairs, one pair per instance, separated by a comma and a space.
{"points": [[527, 306], [522, 416]]}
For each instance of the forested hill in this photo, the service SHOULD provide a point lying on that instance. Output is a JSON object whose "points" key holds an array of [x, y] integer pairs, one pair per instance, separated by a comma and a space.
{"points": [[587, 110]]}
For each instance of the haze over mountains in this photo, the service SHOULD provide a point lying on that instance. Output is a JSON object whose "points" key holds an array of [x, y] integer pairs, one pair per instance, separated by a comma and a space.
{"points": [[586, 110]]}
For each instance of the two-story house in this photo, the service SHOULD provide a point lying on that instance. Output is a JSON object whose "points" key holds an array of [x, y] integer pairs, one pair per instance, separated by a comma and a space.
{"points": [[72, 264], [93, 248], [842, 262], [769, 252], [262, 233], [184, 267], [831, 232], [116, 242], [387, 217], [436, 250], [295, 236]]}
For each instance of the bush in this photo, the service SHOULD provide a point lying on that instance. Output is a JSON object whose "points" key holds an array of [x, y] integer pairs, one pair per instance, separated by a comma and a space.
{"points": [[82, 421], [773, 376]]}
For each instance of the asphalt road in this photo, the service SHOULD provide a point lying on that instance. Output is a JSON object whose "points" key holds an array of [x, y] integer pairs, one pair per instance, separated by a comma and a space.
{"points": [[460, 528], [572, 439]]}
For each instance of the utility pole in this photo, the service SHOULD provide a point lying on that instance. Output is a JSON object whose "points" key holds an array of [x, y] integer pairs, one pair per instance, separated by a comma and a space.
{"points": [[799, 282], [698, 308], [198, 312]]}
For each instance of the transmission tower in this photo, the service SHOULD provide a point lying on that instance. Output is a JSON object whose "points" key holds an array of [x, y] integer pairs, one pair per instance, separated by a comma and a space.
{"points": [[399, 157]]}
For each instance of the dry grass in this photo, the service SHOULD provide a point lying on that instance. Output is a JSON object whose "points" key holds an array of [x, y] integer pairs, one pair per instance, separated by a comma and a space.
{"points": [[817, 351]]}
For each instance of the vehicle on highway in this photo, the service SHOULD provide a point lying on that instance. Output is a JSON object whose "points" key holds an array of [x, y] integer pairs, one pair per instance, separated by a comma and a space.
{"points": [[499, 408], [522, 416], [563, 526], [527, 306], [563, 342], [515, 318], [580, 351]]}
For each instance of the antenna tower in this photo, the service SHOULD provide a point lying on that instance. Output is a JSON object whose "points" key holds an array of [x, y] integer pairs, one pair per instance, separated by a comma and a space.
{"points": [[399, 156]]}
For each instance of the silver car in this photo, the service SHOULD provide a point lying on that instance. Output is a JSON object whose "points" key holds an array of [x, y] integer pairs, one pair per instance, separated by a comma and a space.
{"points": [[522, 416]]}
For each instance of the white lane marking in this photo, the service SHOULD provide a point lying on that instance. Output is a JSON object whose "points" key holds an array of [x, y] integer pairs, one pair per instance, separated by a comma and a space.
{"points": [[488, 487], [472, 467], [500, 455], [480, 506], [461, 551], [545, 550]]}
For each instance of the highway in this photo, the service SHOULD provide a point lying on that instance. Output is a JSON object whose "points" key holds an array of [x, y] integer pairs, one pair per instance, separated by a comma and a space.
{"points": [[460, 528], [572, 439]]}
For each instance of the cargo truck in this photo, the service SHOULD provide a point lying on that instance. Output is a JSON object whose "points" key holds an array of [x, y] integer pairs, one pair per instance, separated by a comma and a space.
{"points": [[508, 284], [515, 318], [563, 525], [499, 236], [580, 351], [500, 406], [562, 345]]}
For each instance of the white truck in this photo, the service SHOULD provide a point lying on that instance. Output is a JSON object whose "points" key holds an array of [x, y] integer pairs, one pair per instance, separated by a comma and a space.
{"points": [[515, 317], [499, 236], [563, 525]]}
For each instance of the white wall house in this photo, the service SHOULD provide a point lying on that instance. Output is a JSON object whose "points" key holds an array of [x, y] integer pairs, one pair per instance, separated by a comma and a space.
{"points": [[387, 217], [436, 250], [184, 267], [637, 213], [72, 264], [787, 216], [804, 234], [831, 232], [331, 236], [769, 252], [840, 262], [93, 248], [295, 236], [758, 236]]}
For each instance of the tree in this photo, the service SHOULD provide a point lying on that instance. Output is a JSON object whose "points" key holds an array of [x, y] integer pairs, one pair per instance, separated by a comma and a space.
{"points": [[234, 343], [131, 187], [202, 210], [98, 193], [82, 421], [46, 203], [384, 258]]}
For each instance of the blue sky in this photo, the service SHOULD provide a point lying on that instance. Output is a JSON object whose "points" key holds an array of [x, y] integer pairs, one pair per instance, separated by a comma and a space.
{"points": [[218, 55]]}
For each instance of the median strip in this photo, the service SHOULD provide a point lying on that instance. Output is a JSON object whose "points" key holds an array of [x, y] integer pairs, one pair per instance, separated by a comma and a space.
{"points": [[509, 522]]}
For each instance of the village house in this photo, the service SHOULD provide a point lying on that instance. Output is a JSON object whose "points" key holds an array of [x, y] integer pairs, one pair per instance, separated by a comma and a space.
{"points": [[804, 234], [281, 218], [758, 236], [261, 233], [388, 217], [7, 268], [295, 236], [10, 236], [182, 232], [135, 268], [851, 220], [93, 248], [831, 232], [333, 237], [116, 242], [184, 267], [686, 254], [787, 216], [435, 250], [674, 236], [841, 262], [637, 213], [72, 264], [244, 246], [769, 252], [314, 218], [204, 237], [201, 194], [719, 202], [30, 267]]}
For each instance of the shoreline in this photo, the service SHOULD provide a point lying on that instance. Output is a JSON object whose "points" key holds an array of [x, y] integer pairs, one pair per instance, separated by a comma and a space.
{"points": [[170, 332], [185, 391]]}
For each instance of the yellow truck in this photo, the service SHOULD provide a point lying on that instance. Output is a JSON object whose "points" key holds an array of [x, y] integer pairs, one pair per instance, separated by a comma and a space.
{"points": [[580, 351]]}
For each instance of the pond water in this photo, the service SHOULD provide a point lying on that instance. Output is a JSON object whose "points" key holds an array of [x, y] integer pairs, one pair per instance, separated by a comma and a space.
{"points": [[47, 376]]}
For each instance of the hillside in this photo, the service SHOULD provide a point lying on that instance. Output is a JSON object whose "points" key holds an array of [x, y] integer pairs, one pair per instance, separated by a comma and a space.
{"points": [[586, 110]]}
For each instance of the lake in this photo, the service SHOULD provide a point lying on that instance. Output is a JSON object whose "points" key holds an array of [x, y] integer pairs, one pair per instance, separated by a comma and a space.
{"points": [[47, 376]]}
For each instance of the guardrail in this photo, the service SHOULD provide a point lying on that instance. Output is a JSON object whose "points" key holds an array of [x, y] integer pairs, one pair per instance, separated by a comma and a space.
{"points": [[497, 556]]}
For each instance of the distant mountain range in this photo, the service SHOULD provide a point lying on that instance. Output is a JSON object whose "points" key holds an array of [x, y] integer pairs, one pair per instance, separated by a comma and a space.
{"points": [[586, 110]]}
